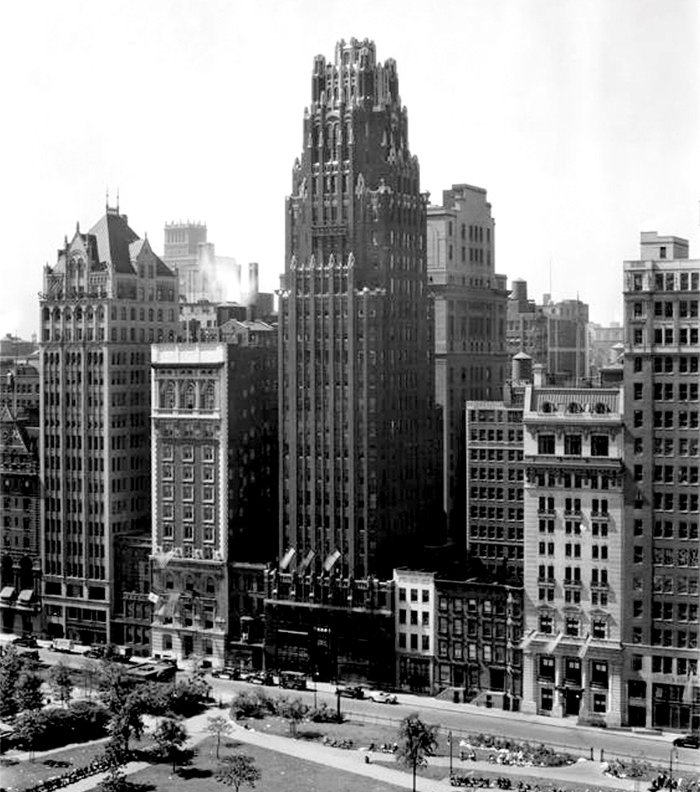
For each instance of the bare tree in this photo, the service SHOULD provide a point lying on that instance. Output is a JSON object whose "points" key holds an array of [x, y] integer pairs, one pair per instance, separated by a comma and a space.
{"points": [[219, 727], [237, 771]]}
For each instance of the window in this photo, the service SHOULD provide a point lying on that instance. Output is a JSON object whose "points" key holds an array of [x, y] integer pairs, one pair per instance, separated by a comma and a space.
{"points": [[208, 453], [599, 445], [545, 444], [402, 616], [402, 595], [546, 623], [425, 643], [599, 703], [187, 453], [572, 445], [546, 668], [546, 699], [572, 626]]}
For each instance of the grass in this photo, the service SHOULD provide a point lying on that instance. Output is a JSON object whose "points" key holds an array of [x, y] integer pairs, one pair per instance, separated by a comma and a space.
{"points": [[279, 772], [362, 734], [25, 774]]}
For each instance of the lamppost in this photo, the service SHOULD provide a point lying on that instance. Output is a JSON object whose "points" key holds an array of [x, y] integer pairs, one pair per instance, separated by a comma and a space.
{"points": [[449, 740], [670, 766]]}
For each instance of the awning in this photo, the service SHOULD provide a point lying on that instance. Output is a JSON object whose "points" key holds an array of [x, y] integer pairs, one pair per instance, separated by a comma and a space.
{"points": [[7, 593], [25, 596]]}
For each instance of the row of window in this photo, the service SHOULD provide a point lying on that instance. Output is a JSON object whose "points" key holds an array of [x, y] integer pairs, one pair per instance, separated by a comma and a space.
{"points": [[667, 281], [668, 556], [573, 445]]}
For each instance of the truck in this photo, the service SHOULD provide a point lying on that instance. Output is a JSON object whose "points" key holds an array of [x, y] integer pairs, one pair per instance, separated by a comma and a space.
{"points": [[62, 645]]}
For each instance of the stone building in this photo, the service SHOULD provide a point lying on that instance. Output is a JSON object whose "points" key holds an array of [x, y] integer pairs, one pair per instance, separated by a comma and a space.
{"points": [[469, 307], [358, 441], [661, 570], [573, 565], [214, 434], [104, 302]]}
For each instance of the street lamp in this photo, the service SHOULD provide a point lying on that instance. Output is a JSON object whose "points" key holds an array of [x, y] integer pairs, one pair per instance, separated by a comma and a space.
{"points": [[670, 766], [449, 740]]}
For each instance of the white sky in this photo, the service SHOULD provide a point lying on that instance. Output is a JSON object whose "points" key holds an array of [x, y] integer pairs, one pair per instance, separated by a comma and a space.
{"points": [[579, 117]]}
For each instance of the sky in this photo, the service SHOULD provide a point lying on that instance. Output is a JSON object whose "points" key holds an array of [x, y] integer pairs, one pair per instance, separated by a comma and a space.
{"points": [[580, 118]]}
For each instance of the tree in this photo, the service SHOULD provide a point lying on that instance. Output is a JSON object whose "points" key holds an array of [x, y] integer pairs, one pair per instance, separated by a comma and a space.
{"points": [[237, 771], [10, 670], [294, 711], [127, 721], [220, 727], [29, 728], [417, 741], [61, 683], [170, 737], [114, 781], [91, 672], [28, 692], [113, 685]]}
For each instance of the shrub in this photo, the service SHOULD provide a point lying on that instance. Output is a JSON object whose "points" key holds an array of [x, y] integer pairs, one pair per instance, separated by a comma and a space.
{"points": [[54, 727], [253, 704]]}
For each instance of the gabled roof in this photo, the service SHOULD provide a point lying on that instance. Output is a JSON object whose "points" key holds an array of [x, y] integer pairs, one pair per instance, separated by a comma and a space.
{"points": [[113, 237], [142, 247]]}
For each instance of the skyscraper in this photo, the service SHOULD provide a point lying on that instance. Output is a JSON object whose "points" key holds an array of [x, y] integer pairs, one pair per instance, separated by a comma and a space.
{"points": [[470, 326], [357, 467], [107, 298], [660, 625]]}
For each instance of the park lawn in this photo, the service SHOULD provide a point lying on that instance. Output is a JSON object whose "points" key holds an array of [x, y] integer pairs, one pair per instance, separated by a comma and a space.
{"points": [[362, 734], [279, 772], [25, 774]]}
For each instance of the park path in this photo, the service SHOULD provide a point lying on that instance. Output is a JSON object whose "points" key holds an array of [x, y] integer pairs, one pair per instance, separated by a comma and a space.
{"points": [[583, 772]]}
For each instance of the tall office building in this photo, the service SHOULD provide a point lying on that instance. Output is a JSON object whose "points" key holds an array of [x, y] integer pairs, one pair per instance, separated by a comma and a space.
{"points": [[107, 298], [357, 468], [662, 325], [470, 326]]}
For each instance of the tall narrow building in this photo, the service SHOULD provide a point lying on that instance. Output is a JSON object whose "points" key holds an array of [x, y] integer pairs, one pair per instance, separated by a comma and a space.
{"points": [[357, 428], [104, 302], [661, 567], [470, 326]]}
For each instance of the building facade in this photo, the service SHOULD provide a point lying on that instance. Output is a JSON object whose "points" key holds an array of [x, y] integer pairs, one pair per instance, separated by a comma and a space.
{"points": [[214, 483], [414, 614], [20, 508], [574, 550], [662, 350], [107, 298], [469, 308], [495, 483], [329, 626], [357, 423]]}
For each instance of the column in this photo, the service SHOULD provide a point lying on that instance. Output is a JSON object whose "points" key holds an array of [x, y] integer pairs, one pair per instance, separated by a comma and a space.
{"points": [[529, 701], [613, 710], [558, 706]]}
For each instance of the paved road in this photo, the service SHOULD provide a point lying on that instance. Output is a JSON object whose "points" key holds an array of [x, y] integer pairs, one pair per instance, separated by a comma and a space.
{"points": [[467, 718]]}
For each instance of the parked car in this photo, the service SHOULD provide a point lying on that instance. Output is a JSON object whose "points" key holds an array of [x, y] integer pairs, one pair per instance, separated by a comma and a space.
{"points": [[293, 680], [261, 678], [382, 697], [95, 652], [351, 691], [687, 741], [26, 640]]}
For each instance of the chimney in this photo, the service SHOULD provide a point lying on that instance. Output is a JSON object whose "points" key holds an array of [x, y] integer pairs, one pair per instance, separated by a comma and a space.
{"points": [[252, 283]]}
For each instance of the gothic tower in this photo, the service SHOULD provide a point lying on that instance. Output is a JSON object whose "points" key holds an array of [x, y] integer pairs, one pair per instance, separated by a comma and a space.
{"points": [[357, 447]]}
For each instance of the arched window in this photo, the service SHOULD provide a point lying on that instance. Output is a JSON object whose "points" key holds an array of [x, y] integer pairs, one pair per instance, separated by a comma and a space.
{"points": [[574, 407], [189, 397], [168, 396], [601, 408], [210, 586], [548, 407], [208, 401]]}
